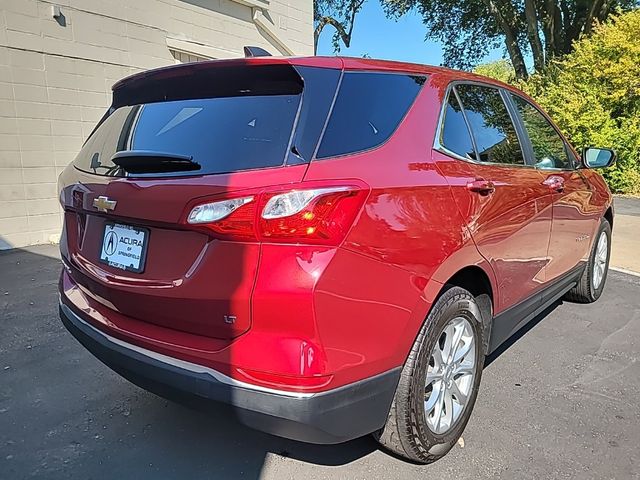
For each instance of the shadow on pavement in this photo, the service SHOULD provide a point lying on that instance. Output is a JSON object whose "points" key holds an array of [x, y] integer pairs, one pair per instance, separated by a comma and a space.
{"points": [[521, 333], [63, 414]]}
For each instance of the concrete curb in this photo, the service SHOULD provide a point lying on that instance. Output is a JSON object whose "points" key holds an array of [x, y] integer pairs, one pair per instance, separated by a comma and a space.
{"points": [[624, 270]]}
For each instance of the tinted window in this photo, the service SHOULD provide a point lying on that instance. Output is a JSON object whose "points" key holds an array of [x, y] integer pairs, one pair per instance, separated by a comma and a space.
{"points": [[548, 147], [227, 117], [221, 134], [490, 124], [367, 111], [455, 134], [319, 89]]}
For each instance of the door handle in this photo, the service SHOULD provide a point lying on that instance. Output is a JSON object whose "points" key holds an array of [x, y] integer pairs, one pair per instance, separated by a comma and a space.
{"points": [[555, 183], [481, 186]]}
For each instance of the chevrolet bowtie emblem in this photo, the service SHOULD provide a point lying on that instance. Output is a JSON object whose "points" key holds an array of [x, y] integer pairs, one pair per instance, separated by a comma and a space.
{"points": [[104, 204]]}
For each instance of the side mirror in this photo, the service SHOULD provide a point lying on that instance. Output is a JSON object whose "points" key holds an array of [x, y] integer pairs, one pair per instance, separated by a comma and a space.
{"points": [[598, 157]]}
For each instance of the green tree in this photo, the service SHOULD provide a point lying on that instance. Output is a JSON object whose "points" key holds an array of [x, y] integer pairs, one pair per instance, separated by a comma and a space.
{"points": [[593, 94], [469, 29], [500, 70], [340, 14]]}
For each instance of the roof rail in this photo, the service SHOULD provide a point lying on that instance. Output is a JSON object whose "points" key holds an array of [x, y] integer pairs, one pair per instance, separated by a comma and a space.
{"points": [[255, 52]]}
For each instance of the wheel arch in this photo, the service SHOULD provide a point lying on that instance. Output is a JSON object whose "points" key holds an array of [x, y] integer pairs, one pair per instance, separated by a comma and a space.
{"points": [[608, 216], [467, 269], [477, 282], [473, 279]]}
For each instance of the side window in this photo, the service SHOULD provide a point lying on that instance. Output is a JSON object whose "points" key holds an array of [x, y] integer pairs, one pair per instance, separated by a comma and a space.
{"points": [[548, 147], [491, 125], [368, 109], [455, 135]]}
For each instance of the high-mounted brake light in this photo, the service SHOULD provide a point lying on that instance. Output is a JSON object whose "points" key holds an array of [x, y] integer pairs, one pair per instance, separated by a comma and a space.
{"points": [[319, 215]]}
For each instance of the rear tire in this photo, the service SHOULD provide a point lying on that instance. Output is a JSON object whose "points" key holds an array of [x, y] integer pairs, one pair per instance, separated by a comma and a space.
{"points": [[594, 277], [414, 428]]}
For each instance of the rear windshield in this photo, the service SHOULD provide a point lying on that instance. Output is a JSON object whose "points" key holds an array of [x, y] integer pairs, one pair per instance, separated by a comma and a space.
{"points": [[220, 134], [250, 125]]}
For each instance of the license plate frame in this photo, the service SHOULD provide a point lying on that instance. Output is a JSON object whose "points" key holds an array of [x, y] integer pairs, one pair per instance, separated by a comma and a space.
{"points": [[117, 228]]}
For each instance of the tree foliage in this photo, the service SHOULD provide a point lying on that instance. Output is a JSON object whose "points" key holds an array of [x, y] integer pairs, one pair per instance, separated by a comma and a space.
{"points": [[340, 14], [469, 29], [500, 70], [594, 95]]}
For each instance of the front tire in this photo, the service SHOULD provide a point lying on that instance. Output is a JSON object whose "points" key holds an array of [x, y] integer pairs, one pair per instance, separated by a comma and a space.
{"points": [[439, 382], [592, 281]]}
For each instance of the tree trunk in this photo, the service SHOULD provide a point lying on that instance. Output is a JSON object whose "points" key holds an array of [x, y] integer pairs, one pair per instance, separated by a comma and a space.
{"points": [[553, 31], [510, 40], [345, 35], [558, 31], [533, 35], [547, 31], [594, 13], [515, 54], [324, 21]]}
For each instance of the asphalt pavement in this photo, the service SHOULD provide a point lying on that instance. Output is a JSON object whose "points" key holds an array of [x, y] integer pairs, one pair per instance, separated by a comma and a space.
{"points": [[562, 401]]}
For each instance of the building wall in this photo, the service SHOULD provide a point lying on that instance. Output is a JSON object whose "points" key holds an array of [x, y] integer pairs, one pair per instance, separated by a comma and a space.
{"points": [[56, 77]]}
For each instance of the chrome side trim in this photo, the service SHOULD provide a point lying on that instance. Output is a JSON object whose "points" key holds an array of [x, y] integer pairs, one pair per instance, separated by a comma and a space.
{"points": [[175, 362]]}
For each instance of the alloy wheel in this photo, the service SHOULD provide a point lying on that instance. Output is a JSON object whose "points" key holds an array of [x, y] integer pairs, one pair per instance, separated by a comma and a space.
{"points": [[600, 260], [450, 375]]}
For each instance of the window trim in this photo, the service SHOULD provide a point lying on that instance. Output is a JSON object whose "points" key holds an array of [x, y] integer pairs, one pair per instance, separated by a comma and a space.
{"points": [[426, 77], [439, 146], [326, 120], [567, 148]]}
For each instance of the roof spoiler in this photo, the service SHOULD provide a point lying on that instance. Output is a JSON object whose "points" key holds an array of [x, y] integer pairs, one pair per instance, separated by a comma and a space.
{"points": [[222, 78], [255, 52]]}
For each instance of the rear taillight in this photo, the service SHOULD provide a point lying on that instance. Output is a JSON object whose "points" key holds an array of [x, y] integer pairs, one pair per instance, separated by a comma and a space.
{"points": [[230, 219], [317, 215]]}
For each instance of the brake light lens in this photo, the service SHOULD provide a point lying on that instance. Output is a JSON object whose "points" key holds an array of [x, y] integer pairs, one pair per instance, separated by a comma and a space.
{"points": [[230, 219], [321, 215], [212, 212], [290, 203], [318, 216]]}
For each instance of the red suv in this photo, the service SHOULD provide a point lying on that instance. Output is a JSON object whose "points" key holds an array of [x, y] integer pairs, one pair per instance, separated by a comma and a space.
{"points": [[330, 245]]}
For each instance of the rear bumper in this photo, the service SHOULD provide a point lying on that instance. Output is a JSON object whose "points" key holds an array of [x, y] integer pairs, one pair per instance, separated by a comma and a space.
{"points": [[327, 417]]}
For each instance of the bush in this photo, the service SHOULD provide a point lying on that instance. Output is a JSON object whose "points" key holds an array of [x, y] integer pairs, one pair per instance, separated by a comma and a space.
{"points": [[593, 94]]}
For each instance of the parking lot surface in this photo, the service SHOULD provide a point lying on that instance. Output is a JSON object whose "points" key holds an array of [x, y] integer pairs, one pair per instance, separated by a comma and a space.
{"points": [[562, 401]]}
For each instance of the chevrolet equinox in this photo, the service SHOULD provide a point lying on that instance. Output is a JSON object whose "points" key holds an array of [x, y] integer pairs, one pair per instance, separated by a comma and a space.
{"points": [[330, 245]]}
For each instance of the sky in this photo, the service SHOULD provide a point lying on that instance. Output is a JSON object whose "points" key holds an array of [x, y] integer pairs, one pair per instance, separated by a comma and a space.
{"points": [[379, 37]]}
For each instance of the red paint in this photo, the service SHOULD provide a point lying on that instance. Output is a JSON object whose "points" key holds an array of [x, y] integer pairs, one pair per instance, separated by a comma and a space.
{"points": [[313, 315]]}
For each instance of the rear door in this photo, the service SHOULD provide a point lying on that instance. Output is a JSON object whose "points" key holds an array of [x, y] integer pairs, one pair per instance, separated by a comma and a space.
{"points": [[575, 216], [173, 139], [502, 199]]}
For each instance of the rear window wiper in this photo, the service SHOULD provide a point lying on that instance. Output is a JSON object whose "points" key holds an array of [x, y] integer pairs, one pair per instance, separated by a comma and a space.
{"points": [[146, 161]]}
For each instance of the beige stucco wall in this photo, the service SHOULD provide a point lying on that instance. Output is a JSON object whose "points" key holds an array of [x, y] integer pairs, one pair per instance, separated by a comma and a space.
{"points": [[56, 77]]}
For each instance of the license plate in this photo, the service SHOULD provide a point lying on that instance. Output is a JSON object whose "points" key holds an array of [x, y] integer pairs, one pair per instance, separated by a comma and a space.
{"points": [[124, 247]]}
